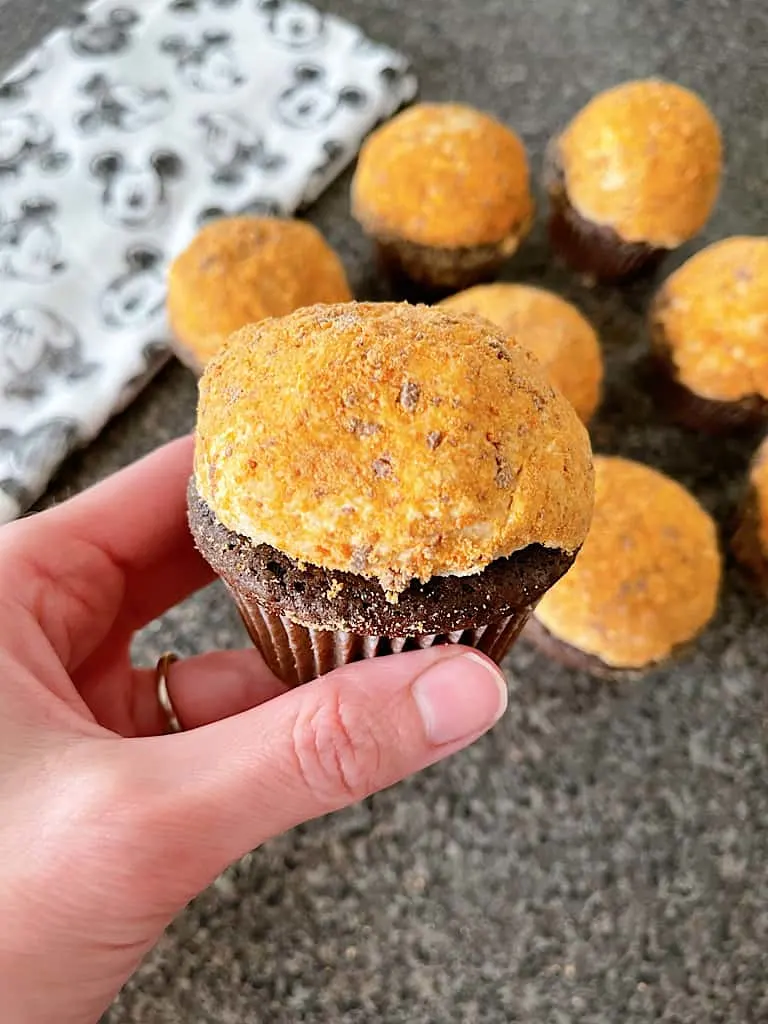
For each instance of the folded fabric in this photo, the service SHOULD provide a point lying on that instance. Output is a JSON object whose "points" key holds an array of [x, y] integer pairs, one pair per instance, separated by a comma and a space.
{"points": [[119, 137]]}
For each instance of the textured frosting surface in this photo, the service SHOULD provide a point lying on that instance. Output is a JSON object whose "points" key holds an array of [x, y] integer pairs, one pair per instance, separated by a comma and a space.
{"points": [[563, 341], [390, 440], [443, 174], [645, 159], [239, 270], [648, 575], [711, 315]]}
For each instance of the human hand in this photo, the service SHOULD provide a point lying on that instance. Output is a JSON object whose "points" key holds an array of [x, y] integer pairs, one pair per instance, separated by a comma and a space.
{"points": [[109, 826]]}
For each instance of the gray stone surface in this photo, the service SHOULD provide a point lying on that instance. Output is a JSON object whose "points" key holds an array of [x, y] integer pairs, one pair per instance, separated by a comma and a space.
{"points": [[602, 855]]}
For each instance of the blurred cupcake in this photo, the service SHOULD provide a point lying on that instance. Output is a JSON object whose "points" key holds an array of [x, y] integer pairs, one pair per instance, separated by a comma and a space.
{"points": [[444, 190], [645, 583], [372, 478], [552, 329], [635, 174], [238, 271], [709, 332], [750, 541]]}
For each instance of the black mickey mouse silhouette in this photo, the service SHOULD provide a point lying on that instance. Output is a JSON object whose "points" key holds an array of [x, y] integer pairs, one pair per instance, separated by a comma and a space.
{"points": [[120, 105], [27, 138], [136, 296], [96, 35], [233, 148], [207, 65], [37, 346], [31, 453], [293, 23], [193, 6], [30, 245], [135, 194], [15, 86], [310, 102], [264, 207]]}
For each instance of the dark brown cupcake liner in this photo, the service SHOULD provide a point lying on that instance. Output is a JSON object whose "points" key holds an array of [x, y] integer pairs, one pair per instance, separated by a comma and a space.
{"points": [[297, 654], [686, 407], [594, 250]]}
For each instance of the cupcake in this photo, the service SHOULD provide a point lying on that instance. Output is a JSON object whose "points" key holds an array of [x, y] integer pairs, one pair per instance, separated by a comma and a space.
{"points": [[750, 540], [551, 328], [635, 174], [372, 478], [646, 581], [239, 270], [444, 191], [709, 335]]}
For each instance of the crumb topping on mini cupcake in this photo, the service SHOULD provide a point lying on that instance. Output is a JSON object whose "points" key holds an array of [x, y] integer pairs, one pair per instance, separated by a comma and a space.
{"points": [[711, 319], [239, 270], [563, 341], [397, 442], [445, 175], [647, 578], [644, 158]]}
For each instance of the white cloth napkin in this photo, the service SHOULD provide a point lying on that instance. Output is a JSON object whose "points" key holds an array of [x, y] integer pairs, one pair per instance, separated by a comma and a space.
{"points": [[119, 137]]}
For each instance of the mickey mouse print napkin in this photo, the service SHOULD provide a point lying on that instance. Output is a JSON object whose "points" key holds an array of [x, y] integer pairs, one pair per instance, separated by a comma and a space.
{"points": [[119, 137]]}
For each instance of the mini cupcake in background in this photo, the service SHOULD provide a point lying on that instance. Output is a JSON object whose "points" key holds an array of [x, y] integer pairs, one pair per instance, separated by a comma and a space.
{"points": [[750, 539], [563, 341], [634, 175], [239, 270], [645, 583], [709, 336], [372, 478], [444, 191]]}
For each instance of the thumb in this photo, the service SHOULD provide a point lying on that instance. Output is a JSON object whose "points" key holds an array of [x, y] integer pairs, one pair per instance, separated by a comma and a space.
{"points": [[219, 791]]}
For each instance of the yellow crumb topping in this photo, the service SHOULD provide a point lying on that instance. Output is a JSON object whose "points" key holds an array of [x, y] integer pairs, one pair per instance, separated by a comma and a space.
{"points": [[644, 158], [239, 270], [390, 440], [444, 174], [647, 578], [711, 317], [563, 341]]}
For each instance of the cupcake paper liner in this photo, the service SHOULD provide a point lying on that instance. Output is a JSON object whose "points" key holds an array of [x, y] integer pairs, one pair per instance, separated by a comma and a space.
{"points": [[298, 654]]}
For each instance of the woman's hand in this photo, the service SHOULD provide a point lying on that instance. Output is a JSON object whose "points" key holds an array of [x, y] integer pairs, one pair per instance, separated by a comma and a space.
{"points": [[108, 826]]}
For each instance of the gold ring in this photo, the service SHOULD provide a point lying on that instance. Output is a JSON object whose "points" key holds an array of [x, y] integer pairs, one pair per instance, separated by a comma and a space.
{"points": [[162, 674]]}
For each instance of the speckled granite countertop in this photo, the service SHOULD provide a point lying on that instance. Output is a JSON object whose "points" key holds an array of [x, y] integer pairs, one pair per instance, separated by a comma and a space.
{"points": [[602, 856]]}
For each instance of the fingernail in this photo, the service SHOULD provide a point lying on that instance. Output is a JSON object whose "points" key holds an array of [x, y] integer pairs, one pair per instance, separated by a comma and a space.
{"points": [[460, 697]]}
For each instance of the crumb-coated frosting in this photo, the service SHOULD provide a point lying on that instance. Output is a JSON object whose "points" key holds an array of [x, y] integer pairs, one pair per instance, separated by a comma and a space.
{"points": [[398, 442], [645, 159], [444, 174], [711, 317], [563, 341], [647, 578], [239, 270]]}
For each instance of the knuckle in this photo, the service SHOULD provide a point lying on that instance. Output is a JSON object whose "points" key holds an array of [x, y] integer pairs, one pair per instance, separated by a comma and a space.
{"points": [[337, 752]]}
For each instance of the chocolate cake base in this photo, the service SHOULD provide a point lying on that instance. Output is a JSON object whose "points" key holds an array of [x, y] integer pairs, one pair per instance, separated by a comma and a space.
{"points": [[307, 620], [689, 409], [594, 250], [746, 544], [425, 272]]}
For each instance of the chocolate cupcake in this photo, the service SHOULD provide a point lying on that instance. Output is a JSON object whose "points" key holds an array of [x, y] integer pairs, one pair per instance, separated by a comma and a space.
{"points": [[239, 270], [444, 190], [750, 539], [635, 174], [709, 336], [645, 583], [563, 341], [372, 478]]}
